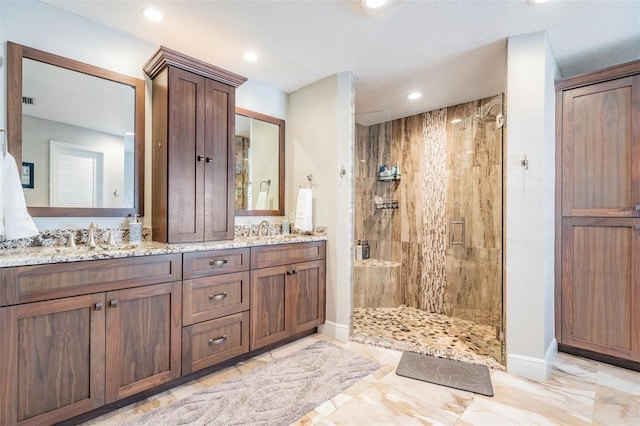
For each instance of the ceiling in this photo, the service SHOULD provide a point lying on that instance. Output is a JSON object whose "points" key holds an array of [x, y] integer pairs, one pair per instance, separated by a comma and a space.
{"points": [[452, 51]]}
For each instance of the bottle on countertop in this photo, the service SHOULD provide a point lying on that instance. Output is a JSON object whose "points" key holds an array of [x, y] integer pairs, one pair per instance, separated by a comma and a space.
{"points": [[366, 250], [359, 250], [286, 227], [135, 231]]}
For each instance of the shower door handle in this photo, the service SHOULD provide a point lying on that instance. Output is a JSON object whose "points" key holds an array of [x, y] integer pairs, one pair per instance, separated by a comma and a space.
{"points": [[452, 238]]}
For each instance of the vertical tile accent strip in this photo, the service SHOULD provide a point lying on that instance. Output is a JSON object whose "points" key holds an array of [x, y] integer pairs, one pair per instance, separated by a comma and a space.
{"points": [[434, 187]]}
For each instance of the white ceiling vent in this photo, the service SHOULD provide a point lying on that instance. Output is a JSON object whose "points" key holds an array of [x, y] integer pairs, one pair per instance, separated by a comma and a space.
{"points": [[27, 100]]}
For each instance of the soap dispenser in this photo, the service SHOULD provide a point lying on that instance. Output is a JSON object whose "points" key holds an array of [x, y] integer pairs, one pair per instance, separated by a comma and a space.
{"points": [[135, 231]]}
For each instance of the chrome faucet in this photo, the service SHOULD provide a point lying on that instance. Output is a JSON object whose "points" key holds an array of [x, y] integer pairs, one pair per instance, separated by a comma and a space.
{"points": [[91, 239], [264, 223]]}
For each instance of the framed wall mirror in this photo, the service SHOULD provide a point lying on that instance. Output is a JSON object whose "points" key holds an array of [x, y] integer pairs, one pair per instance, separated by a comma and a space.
{"points": [[259, 159], [81, 129]]}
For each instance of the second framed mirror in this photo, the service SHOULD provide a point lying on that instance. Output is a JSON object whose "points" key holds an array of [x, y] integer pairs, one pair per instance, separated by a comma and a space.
{"points": [[259, 160]]}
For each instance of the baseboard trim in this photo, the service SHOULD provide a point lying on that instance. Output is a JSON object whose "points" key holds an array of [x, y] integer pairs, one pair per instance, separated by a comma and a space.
{"points": [[608, 359], [337, 331], [533, 368]]}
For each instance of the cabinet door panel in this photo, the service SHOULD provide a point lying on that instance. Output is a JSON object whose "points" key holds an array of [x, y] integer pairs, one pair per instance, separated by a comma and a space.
{"points": [[307, 296], [600, 286], [186, 169], [56, 360], [270, 316], [601, 156], [219, 172], [143, 338]]}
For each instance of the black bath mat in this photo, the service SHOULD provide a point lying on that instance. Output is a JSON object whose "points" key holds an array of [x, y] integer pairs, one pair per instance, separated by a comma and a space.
{"points": [[446, 372]]}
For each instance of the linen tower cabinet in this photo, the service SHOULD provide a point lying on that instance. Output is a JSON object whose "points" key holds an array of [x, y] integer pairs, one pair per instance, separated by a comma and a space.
{"points": [[193, 132], [598, 215]]}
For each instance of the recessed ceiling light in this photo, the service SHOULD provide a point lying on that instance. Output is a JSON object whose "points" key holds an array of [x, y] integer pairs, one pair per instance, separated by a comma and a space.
{"points": [[374, 4], [456, 121], [537, 1], [373, 7], [250, 56], [152, 14], [129, 133], [414, 95]]}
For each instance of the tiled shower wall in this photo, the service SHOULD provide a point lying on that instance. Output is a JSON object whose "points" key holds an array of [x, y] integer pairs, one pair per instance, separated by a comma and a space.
{"points": [[449, 173]]}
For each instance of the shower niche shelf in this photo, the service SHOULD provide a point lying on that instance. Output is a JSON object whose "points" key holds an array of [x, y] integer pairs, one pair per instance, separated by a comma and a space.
{"points": [[386, 205]]}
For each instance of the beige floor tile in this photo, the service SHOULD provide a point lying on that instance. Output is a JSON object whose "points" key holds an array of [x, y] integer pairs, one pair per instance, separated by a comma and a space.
{"points": [[614, 407], [384, 405], [619, 378]]}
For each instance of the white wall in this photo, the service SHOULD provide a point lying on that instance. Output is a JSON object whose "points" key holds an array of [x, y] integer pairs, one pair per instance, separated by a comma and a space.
{"points": [[321, 140], [531, 70]]}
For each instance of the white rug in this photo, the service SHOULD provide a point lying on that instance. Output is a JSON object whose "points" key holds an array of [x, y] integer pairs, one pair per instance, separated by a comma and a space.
{"points": [[275, 394]]}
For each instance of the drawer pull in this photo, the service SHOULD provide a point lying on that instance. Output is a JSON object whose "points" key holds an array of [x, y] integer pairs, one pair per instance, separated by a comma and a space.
{"points": [[98, 306], [113, 303], [217, 296], [218, 340], [217, 262]]}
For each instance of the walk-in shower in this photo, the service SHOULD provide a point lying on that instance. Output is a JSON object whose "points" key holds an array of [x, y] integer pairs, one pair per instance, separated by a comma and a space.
{"points": [[434, 280]]}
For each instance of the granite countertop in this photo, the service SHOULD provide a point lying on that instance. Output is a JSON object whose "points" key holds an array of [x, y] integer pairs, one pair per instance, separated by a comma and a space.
{"points": [[59, 254]]}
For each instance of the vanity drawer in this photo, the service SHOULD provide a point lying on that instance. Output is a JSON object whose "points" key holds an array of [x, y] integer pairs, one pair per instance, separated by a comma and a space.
{"points": [[215, 262], [43, 282], [212, 342], [214, 297], [285, 254]]}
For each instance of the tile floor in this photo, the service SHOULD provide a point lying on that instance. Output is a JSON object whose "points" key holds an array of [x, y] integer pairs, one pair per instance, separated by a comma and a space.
{"points": [[578, 391], [409, 329]]}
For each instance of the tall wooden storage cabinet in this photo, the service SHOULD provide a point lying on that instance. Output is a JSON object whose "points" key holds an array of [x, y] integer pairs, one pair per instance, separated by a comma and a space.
{"points": [[598, 214], [192, 144]]}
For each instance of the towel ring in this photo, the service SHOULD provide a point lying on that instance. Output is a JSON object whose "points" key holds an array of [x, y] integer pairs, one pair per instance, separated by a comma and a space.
{"points": [[268, 182], [5, 145]]}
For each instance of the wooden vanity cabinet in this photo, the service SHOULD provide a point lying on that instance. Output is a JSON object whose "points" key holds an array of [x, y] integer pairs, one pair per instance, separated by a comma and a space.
{"points": [[287, 291], [193, 135], [53, 360], [67, 355], [215, 311], [598, 215]]}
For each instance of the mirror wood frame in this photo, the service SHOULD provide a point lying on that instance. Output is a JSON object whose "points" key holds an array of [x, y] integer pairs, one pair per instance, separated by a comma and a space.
{"points": [[280, 123], [15, 54]]}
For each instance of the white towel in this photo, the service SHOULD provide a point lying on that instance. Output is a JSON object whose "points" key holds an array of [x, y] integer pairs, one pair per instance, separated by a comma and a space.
{"points": [[15, 221], [304, 220], [261, 204]]}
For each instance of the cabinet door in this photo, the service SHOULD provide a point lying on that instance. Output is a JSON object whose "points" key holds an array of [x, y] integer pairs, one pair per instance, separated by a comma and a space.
{"points": [[307, 296], [186, 160], [601, 286], [219, 171], [53, 360], [270, 309], [601, 149], [143, 338]]}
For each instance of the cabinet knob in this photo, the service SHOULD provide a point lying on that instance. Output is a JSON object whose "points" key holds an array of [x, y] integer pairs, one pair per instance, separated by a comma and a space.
{"points": [[199, 157], [218, 340], [219, 262], [98, 306], [217, 296], [113, 303], [208, 159]]}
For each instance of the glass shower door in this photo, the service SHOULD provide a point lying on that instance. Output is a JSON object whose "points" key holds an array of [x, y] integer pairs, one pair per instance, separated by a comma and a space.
{"points": [[474, 215]]}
